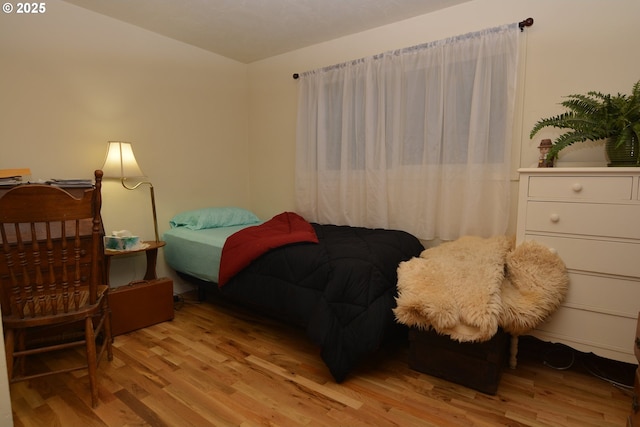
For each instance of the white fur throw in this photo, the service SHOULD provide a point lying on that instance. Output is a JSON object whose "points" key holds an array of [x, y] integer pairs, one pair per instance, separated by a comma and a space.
{"points": [[469, 287]]}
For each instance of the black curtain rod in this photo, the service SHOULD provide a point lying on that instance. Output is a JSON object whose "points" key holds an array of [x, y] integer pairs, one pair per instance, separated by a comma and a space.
{"points": [[526, 23]]}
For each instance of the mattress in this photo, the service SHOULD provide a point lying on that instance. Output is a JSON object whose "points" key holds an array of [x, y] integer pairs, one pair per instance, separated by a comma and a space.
{"points": [[197, 252]]}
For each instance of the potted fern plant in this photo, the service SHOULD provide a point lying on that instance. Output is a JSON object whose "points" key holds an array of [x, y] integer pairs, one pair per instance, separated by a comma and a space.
{"points": [[614, 119]]}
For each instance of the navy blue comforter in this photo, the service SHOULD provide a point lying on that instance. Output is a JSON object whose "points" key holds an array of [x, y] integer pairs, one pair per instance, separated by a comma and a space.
{"points": [[341, 290]]}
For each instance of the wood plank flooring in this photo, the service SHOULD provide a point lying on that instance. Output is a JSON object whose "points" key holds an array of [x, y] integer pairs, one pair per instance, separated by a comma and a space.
{"points": [[219, 365]]}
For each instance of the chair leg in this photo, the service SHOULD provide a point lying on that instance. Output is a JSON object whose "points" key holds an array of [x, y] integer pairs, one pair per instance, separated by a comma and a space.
{"points": [[20, 343], [9, 345], [91, 360], [107, 332]]}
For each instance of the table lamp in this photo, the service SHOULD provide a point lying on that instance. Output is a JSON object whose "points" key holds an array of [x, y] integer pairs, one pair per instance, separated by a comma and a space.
{"points": [[120, 163]]}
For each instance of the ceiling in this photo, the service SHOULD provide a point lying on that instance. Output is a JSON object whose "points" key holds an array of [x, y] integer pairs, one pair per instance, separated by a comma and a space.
{"points": [[251, 30]]}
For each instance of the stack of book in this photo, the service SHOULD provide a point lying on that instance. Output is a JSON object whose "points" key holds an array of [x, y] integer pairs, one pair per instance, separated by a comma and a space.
{"points": [[12, 177], [68, 183]]}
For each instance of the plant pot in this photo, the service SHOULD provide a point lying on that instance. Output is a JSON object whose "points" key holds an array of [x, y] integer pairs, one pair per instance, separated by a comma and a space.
{"points": [[627, 154]]}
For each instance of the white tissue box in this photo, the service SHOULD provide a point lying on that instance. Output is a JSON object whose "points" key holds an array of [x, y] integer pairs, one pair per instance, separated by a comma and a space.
{"points": [[116, 243]]}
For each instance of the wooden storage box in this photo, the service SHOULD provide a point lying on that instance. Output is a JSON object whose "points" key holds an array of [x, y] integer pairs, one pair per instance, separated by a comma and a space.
{"points": [[474, 365], [140, 304]]}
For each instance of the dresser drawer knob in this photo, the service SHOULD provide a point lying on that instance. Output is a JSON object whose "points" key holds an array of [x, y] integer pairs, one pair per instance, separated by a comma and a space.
{"points": [[554, 217], [577, 187]]}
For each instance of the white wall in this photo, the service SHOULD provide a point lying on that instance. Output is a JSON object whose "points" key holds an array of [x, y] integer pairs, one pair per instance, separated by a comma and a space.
{"points": [[574, 46]]}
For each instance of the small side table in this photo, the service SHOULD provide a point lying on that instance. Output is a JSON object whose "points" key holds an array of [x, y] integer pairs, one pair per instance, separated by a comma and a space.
{"points": [[141, 303], [152, 256]]}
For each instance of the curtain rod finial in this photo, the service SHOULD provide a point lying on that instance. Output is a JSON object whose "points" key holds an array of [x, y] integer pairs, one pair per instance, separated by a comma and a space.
{"points": [[526, 23]]}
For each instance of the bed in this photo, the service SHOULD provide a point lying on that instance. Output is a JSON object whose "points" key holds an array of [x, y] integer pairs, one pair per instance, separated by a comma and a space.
{"points": [[337, 282]]}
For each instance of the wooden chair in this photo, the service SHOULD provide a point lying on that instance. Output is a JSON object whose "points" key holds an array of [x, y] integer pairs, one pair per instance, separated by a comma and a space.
{"points": [[51, 278]]}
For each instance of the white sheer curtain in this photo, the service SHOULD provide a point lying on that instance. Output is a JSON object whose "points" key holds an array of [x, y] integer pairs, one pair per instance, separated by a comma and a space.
{"points": [[416, 139]]}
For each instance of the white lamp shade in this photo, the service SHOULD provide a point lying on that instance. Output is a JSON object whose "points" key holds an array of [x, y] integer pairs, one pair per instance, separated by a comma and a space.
{"points": [[120, 161]]}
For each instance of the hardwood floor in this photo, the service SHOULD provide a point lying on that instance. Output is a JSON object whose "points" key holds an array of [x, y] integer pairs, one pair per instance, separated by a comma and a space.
{"points": [[218, 365]]}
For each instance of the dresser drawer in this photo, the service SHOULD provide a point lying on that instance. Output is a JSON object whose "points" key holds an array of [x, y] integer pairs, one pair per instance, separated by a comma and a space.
{"points": [[599, 256], [605, 188], [605, 335], [608, 294], [606, 220]]}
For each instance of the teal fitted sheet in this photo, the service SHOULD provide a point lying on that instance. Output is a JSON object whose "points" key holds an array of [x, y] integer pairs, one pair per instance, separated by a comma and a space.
{"points": [[197, 252]]}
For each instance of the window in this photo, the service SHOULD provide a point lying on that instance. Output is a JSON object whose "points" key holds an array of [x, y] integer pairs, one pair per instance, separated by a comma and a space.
{"points": [[416, 139]]}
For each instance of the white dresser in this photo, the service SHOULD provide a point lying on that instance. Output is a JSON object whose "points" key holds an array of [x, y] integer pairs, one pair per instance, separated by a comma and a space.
{"points": [[591, 217]]}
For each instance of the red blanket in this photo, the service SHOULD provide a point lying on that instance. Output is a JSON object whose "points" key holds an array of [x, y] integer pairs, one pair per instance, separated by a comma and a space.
{"points": [[249, 243]]}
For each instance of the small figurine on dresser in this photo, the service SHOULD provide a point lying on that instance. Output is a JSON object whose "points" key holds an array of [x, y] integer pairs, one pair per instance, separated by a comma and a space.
{"points": [[544, 147]]}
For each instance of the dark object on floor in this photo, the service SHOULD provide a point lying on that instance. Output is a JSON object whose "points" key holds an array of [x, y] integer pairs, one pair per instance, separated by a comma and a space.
{"points": [[475, 365]]}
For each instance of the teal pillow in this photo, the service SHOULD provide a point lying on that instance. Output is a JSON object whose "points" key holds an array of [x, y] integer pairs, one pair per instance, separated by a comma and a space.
{"points": [[213, 217]]}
